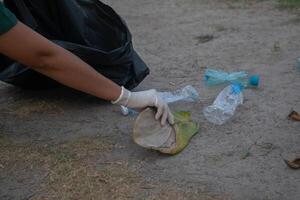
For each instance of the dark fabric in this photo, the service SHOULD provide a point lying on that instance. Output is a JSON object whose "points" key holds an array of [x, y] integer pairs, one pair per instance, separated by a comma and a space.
{"points": [[7, 19], [87, 28]]}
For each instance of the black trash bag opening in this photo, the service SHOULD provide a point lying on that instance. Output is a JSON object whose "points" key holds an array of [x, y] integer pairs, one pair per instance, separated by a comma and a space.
{"points": [[89, 29]]}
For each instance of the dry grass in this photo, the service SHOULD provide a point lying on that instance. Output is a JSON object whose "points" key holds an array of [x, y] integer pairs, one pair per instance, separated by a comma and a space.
{"points": [[74, 170], [30, 107]]}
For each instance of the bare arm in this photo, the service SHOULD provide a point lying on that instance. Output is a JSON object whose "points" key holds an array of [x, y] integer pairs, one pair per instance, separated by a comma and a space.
{"points": [[30, 48]]}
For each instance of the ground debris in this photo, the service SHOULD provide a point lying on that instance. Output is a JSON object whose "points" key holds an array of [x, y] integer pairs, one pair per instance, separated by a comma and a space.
{"points": [[204, 38], [276, 47], [245, 155], [294, 164], [149, 133], [294, 116]]}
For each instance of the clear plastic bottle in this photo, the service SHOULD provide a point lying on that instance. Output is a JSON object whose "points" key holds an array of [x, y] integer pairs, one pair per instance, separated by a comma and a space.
{"points": [[225, 104], [218, 77], [188, 93]]}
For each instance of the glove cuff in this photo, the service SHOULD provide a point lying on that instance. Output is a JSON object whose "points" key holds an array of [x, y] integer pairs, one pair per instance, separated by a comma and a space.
{"points": [[123, 98]]}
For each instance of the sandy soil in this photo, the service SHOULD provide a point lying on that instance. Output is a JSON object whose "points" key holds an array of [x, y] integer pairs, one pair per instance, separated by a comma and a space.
{"points": [[60, 144]]}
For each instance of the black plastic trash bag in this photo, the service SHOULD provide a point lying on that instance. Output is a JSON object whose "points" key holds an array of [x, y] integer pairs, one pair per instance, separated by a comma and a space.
{"points": [[88, 28]]}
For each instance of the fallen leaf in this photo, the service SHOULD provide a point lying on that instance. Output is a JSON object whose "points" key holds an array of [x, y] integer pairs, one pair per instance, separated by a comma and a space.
{"points": [[295, 164], [245, 155], [294, 116], [182, 116], [204, 38]]}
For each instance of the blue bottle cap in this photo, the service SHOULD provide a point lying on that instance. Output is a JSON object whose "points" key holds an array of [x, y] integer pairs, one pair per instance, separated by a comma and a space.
{"points": [[254, 80], [236, 88]]}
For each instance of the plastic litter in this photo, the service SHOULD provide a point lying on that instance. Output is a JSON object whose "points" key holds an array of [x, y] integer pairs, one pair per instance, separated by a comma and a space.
{"points": [[188, 94], [149, 133], [127, 111], [169, 139], [218, 77], [224, 106]]}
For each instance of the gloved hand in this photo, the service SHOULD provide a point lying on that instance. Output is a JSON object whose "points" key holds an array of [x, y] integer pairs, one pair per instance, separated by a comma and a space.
{"points": [[143, 99]]}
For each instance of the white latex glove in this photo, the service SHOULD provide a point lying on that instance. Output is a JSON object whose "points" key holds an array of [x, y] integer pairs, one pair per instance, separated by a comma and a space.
{"points": [[143, 99]]}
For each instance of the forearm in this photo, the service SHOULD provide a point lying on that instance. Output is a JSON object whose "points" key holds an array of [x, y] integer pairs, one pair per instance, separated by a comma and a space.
{"points": [[28, 47], [71, 71]]}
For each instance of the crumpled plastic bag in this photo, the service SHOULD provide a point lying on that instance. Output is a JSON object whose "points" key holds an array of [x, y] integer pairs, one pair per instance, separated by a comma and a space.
{"points": [[168, 139]]}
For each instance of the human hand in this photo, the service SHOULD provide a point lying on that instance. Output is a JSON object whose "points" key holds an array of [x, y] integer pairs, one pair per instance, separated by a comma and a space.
{"points": [[144, 99]]}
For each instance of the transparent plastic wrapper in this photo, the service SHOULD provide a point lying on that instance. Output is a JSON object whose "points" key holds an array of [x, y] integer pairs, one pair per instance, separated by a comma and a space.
{"points": [[218, 77], [224, 106], [188, 93]]}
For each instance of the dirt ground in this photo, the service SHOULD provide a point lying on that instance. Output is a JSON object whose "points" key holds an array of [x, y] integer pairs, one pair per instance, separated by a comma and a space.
{"points": [[61, 144]]}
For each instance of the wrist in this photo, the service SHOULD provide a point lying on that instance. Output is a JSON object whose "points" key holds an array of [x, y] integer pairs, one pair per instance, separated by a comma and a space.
{"points": [[120, 96], [123, 98]]}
